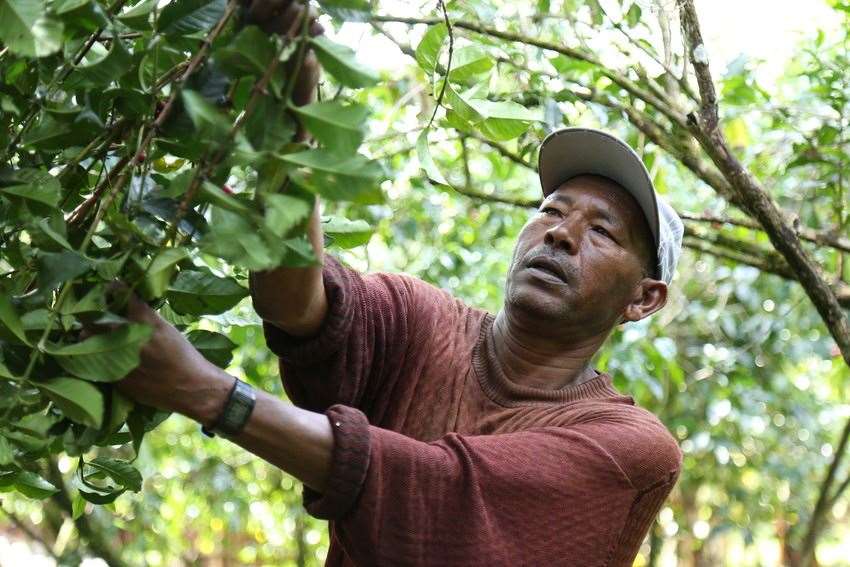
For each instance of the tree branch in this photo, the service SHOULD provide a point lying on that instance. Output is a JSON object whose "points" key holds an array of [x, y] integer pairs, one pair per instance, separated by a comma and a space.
{"points": [[824, 238], [30, 533], [94, 536], [758, 202], [619, 79], [813, 528]]}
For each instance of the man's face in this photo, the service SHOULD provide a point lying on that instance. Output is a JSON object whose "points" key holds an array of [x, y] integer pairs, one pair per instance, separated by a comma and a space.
{"points": [[580, 259]]}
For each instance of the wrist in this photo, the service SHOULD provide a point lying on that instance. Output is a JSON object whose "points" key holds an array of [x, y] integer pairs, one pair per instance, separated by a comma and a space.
{"points": [[210, 396]]}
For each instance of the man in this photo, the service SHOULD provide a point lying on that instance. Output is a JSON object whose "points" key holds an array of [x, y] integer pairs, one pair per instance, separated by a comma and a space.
{"points": [[430, 432]]}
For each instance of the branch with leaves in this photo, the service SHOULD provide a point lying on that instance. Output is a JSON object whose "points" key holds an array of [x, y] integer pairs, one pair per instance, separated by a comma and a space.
{"points": [[126, 171]]}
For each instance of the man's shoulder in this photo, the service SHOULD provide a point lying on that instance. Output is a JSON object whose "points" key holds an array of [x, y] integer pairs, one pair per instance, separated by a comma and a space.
{"points": [[419, 293], [638, 442]]}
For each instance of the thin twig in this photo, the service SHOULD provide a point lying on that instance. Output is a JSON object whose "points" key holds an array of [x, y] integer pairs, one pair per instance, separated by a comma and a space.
{"points": [[450, 33]]}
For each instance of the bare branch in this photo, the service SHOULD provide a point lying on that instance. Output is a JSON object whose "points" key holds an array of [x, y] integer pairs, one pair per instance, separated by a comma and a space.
{"points": [[753, 195], [814, 527], [699, 60], [824, 238]]}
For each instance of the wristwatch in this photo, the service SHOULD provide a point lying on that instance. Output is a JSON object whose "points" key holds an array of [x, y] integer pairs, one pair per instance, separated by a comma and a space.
{"points": [[237, 410]]}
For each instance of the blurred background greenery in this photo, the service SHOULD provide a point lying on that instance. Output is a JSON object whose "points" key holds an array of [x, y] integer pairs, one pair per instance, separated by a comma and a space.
{"points": [[739, 365]]}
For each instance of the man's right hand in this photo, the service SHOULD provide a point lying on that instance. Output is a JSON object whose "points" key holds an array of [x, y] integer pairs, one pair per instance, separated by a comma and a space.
{"points": [[286, 18]]}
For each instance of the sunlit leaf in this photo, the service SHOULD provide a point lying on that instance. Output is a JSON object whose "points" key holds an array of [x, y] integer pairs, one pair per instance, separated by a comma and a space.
{"points": [[426, 162], [340, 61], [346, 233], [28, 29], [338, 127], [428, 50]]}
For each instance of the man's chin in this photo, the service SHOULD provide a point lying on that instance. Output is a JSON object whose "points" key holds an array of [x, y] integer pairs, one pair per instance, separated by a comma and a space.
{"points": [[533, 302]]}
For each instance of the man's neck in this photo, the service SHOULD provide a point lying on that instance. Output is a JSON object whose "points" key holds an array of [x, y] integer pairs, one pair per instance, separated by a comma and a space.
{"points": [[530, 358]]}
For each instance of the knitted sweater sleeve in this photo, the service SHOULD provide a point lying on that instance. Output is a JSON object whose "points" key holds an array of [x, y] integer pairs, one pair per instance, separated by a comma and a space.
{"points": [[544, 496], [359, 346]]}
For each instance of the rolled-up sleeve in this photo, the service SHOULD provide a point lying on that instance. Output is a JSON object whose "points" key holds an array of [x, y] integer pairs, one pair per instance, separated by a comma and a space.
{"points": [[358, 347]]}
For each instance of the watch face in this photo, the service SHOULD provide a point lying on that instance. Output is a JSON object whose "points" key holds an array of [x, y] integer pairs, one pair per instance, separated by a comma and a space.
{"points": [[238, 408]]}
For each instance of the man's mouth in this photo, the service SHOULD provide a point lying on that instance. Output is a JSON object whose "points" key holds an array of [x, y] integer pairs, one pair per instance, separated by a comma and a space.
{"points": [[549, 267]]}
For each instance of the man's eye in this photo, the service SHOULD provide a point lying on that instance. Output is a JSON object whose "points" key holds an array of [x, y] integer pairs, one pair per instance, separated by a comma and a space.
{"points": [[550, 211], [603, 232]]}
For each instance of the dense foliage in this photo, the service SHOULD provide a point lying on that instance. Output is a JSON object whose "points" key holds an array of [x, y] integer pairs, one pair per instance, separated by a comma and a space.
{"points": [[156, 143]]}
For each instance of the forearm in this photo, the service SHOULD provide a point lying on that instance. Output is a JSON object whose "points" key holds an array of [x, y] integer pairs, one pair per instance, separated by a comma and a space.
{"points": [[293, 298], [297, 441]]}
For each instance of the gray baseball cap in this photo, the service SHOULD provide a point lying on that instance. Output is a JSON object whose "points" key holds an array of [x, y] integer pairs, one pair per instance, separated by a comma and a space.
{"points": [[569, 152]]}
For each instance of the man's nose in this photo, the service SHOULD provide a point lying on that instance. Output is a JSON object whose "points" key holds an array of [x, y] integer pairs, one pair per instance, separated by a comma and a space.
{"points": [[566, 234]]}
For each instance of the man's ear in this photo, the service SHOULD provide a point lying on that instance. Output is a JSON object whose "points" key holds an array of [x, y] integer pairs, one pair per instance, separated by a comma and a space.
{"points": [[650, 296]]}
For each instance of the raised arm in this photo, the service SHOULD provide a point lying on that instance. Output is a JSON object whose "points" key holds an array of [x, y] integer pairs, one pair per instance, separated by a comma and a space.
{"points": [[292, 299]]}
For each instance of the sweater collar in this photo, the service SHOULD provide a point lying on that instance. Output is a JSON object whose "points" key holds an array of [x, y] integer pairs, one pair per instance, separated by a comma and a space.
{"points": [[503, 391]]}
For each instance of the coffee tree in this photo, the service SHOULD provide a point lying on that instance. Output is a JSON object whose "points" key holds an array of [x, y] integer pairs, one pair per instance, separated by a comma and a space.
{"points": [[157, 145]]}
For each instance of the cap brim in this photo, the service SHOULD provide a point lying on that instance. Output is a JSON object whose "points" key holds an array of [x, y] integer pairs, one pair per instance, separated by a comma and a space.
{"points": [[569, 152]]}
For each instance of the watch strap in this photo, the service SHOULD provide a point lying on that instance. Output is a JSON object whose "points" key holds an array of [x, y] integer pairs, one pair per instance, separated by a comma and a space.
{"points": [[237, 409]]}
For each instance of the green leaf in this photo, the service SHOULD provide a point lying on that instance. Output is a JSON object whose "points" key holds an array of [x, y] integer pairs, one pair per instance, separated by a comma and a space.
{"points": [[324, 160], [270, 127], [209, 122], [101, 497], [56, 268], [216, 195], [460, 105], [426, 162], [247, 54], [346, 233], [35, 185], [232, 237], [469, 61], [339, 61], [80, 401], [156, 62], [33, 486], [633, 15], [428, 50], [27, 29], [215, 347], [503, 120], [54, 228], [284, 212], [196, 292], [351, 10], [138, 17], [353, 178], [6, 373], [106, 357], [6, 452], [121, 472], [78, 506], [186, 17], [141, 420], [119, 409], [340, 128], [158, 275], [10, 320], [101, 67]]}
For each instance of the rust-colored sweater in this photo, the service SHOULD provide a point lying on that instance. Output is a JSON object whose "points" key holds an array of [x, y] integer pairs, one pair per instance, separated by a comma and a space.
{"points": [[440, 460]]}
